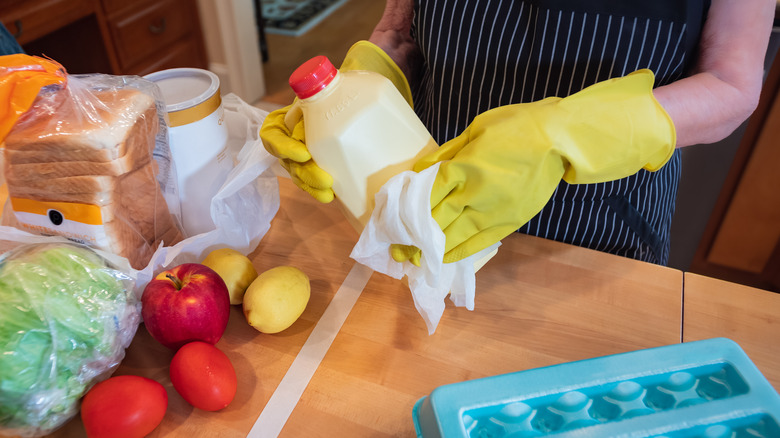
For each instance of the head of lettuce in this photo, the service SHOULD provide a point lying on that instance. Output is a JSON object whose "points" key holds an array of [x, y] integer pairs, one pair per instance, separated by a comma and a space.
{"points": [[66, 319]]}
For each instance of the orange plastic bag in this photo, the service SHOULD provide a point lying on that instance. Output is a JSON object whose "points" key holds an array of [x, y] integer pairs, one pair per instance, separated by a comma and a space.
{"points": [[21, 78]]}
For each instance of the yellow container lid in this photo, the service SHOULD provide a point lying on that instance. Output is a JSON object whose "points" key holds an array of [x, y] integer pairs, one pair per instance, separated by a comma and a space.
{"points": [[190, 94]]}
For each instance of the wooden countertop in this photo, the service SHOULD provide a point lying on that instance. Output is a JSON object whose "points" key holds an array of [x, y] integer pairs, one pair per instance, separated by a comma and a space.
{"points": [[538, 303], [748, 316]]}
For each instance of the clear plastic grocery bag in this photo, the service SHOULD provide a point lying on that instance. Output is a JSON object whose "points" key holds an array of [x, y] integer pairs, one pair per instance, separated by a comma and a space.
{"points": [[88, 160], [241, 210], [246, 203], [68, 313]]}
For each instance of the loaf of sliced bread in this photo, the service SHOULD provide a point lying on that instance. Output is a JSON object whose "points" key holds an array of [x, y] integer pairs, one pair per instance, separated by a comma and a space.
{"points": [[92, 177]]}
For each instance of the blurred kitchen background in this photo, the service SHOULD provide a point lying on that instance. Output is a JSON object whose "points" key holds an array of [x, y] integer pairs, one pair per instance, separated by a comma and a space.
{"points": [[727, 223]]}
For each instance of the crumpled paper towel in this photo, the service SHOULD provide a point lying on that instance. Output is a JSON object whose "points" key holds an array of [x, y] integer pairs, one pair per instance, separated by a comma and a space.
{"points": [[402, 214]]}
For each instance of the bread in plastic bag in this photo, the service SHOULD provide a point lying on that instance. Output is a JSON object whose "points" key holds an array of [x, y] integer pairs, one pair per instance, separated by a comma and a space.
{"points": [[68, 314], [89, 161]]}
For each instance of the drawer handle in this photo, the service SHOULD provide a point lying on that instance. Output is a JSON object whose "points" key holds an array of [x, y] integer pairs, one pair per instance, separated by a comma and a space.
{"points": [[157, 28]]}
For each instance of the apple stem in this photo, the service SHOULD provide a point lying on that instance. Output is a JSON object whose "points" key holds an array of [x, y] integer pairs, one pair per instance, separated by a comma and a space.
{"points": [[176, 281]]}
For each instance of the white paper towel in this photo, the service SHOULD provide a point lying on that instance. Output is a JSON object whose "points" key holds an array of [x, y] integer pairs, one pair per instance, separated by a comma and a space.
{"points": [[402, 214]]}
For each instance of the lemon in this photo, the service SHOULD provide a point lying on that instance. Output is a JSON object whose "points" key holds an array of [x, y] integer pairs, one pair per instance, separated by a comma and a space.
{"points": [[236, 270], [276, 299]]}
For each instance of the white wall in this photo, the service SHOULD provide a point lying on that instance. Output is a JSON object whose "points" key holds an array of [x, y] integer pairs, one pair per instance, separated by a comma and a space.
{"points": [[232, 46]]}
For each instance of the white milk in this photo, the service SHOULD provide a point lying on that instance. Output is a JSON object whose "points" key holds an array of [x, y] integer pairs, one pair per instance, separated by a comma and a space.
{"points": [[360, 130]]}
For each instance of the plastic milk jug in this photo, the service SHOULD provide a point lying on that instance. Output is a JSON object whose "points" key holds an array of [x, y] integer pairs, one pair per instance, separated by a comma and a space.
{"points": [[359, 129]]}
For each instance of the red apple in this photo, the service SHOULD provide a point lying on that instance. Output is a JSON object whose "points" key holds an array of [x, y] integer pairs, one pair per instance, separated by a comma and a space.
{"points": [[189, 302]]}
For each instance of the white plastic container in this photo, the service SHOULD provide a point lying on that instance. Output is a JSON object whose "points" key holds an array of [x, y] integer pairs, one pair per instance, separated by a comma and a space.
{"points": [[360, 130], [198, 140]]}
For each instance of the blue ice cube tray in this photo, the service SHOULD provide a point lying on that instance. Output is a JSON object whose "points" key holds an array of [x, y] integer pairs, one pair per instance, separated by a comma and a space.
{"points": [[702, 389]]}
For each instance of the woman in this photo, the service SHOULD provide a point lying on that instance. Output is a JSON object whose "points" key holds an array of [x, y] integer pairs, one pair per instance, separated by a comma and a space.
{"points": [[594, 169]]}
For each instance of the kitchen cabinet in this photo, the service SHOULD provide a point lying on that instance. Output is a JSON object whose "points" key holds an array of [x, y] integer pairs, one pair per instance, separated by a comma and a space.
{"points": [[109, 36], [741, 242]]}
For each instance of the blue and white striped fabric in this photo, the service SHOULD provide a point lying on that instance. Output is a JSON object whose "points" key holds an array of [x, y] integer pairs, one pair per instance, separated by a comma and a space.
{"points": [[480, 54]]}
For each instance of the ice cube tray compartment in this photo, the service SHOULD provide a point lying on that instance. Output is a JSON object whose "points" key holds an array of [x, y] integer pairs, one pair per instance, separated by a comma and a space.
{"points": [[701, 389]]}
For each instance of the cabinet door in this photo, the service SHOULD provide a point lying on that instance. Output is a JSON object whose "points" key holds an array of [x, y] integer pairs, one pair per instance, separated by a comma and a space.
{"points": [[29, 20], [150, 31], [742, 240], [185, 53]]}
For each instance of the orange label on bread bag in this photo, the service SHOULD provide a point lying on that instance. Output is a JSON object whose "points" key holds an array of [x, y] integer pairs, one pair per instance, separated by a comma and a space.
{"points": [[79, 222]]}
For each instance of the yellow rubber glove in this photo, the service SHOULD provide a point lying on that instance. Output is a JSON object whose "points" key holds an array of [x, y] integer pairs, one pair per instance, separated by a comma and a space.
{"points": [[502, 170], [282, 132]]}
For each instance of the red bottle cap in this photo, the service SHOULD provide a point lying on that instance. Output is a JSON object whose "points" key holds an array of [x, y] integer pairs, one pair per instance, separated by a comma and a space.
{"points": [[312, 76]]}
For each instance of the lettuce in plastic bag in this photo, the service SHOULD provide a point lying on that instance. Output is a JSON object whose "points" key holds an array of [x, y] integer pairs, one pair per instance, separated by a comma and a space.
{"points": [[66, 318]]}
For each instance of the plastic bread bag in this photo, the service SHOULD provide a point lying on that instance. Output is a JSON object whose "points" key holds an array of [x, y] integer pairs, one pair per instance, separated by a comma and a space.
{"points": [[88, 159], [68, 314], [242, 209]]}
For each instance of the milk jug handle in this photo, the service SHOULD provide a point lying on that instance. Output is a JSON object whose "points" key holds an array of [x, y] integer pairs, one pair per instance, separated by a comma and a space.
{"points": [[294, 115]]}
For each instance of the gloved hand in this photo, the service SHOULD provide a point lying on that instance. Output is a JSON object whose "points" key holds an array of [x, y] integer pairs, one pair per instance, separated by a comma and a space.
{"points": [[501, 171], [282, 132]]}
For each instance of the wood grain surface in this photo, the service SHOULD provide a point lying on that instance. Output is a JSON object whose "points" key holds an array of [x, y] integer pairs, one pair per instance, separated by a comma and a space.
{"points": [[538, 303], [748, 316]]}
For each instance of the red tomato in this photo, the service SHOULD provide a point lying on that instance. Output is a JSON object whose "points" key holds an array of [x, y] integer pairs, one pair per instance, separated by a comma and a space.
{"points": [[123, 407], [204, 376]]}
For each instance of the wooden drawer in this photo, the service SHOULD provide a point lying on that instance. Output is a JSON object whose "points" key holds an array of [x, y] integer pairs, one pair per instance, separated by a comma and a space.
{"points": [[29, 20], [151, 30], [114, 6], [185, 53]]}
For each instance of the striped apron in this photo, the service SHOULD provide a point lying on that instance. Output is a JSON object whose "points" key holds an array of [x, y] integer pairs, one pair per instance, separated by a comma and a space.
{"points": [[481, 54]]}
